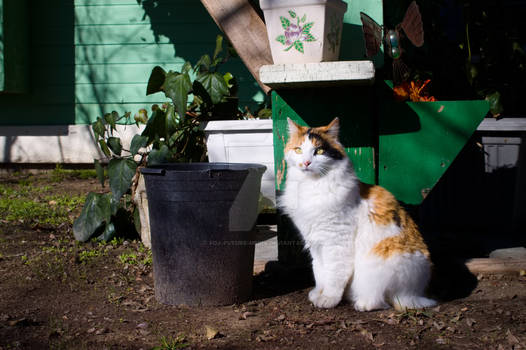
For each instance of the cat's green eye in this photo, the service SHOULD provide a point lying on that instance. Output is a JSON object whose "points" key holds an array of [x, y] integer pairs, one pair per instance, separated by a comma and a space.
{"points": [[298, 150], [319, 151]]}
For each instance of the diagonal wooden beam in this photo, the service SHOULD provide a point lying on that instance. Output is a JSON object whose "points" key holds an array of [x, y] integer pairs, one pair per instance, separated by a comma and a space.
{"points": [[246, 31]]}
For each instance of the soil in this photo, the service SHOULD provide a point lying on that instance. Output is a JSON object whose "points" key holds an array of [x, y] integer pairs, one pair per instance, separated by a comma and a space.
{"points": [[59, 294]]}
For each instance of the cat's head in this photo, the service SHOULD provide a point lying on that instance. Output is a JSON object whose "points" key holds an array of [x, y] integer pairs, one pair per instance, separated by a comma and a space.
{"points": [[314, 151]]}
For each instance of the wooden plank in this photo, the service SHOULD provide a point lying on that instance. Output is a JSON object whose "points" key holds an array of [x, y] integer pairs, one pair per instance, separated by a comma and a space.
{"points": [[495, 266], [245, 30]]}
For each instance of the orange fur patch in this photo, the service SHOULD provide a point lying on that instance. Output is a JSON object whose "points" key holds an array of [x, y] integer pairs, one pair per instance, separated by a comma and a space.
{"points": [[324, 133], [386, 210], [296, 138]]}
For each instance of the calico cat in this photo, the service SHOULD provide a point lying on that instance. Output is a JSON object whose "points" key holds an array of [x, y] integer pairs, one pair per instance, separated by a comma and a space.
{"points": [[363, 244]]}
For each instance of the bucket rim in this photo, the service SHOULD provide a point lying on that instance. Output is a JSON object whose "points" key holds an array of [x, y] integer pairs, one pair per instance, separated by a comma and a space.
{"points": [[203, 167]]}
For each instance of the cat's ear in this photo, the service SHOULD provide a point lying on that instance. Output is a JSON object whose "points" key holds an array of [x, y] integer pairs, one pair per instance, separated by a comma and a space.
{"points": [[293, 127], [333, 129]]}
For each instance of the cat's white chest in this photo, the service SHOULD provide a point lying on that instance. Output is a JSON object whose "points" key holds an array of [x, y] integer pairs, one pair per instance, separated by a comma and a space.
{"points": [[321, 207]]}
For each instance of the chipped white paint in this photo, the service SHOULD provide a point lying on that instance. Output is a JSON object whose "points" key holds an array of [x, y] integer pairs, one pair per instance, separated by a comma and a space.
{"points": [[293, 75]]}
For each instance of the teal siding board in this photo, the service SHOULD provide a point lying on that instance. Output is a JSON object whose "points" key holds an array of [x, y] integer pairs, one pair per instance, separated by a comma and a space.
{"points": [[2, 72], [94, 56], [115, 54], [140, 53]]}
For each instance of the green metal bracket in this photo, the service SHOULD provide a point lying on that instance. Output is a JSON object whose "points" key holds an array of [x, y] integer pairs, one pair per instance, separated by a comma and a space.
{"points": [[419, 140]]}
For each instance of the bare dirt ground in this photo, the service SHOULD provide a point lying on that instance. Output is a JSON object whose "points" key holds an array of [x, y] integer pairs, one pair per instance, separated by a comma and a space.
{"points": [[59, 294]]}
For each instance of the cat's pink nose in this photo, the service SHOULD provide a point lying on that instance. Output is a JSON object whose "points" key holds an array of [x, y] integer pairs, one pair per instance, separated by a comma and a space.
{"points": [[306, 163]]}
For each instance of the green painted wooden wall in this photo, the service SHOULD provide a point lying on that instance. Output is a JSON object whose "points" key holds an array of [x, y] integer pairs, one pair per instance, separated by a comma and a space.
{"points": [[89, 57], [2, 71]]}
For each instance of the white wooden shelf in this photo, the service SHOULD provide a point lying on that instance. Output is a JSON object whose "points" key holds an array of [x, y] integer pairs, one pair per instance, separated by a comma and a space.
{"points": [[504, 124], [322, 74]]}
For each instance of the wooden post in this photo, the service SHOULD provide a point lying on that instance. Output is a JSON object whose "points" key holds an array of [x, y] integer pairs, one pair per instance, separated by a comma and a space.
{"points": [[245, 30]]}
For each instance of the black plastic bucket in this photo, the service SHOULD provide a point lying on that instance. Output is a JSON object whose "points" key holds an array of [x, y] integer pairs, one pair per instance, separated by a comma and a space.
{"points": [[201, 221]]}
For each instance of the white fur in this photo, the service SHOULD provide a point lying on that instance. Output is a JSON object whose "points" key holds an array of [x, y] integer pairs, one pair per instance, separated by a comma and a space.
{"points": [[324, 202]]}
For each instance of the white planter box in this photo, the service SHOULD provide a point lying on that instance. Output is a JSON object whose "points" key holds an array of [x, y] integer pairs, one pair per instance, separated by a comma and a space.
{"points": [[303, 31], [244, 141]]}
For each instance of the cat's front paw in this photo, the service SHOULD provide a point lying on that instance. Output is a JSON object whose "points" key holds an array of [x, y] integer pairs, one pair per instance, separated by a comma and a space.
{"points": [[315, 293], [324, 301], [370, 305]]}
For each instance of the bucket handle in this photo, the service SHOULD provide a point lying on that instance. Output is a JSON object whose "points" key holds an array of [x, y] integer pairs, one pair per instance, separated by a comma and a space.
{"points": [[153, 171]]}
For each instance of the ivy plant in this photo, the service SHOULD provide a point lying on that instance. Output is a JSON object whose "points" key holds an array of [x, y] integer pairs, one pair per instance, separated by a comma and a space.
{"points": [[172, 133]]}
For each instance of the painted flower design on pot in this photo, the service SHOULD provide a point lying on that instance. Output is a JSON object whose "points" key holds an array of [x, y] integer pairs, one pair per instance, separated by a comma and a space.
{"points": [[295, 33]]}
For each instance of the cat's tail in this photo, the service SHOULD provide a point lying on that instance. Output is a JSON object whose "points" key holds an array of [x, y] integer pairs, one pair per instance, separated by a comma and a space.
{"points": [[405, 302]]}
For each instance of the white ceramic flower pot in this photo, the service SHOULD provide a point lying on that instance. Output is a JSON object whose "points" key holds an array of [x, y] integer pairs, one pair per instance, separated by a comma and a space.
{"points": [[303, 31], [244, 141]]}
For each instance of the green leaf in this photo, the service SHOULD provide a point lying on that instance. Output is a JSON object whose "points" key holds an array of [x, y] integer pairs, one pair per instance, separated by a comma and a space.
{"points": [[285, 23], [203, 65], [110, 119], [114, 143], [100, 171], [215, 85], [158, 156], [229, 79], [115, 118], [121, 172], [200, 91], [98, 128], [108, 233], [114, 205], [127, 116], [104, 148], [292, 14], [171, 121], [298, 45], [177, 86], [156, 126], [265, 113], [137, 142], [141, 116], [307, 27], [304, 18], [310, 37], [95, 213], [187, 66], [281, 38], [156, 80], [495, 103], [219, 46]]}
